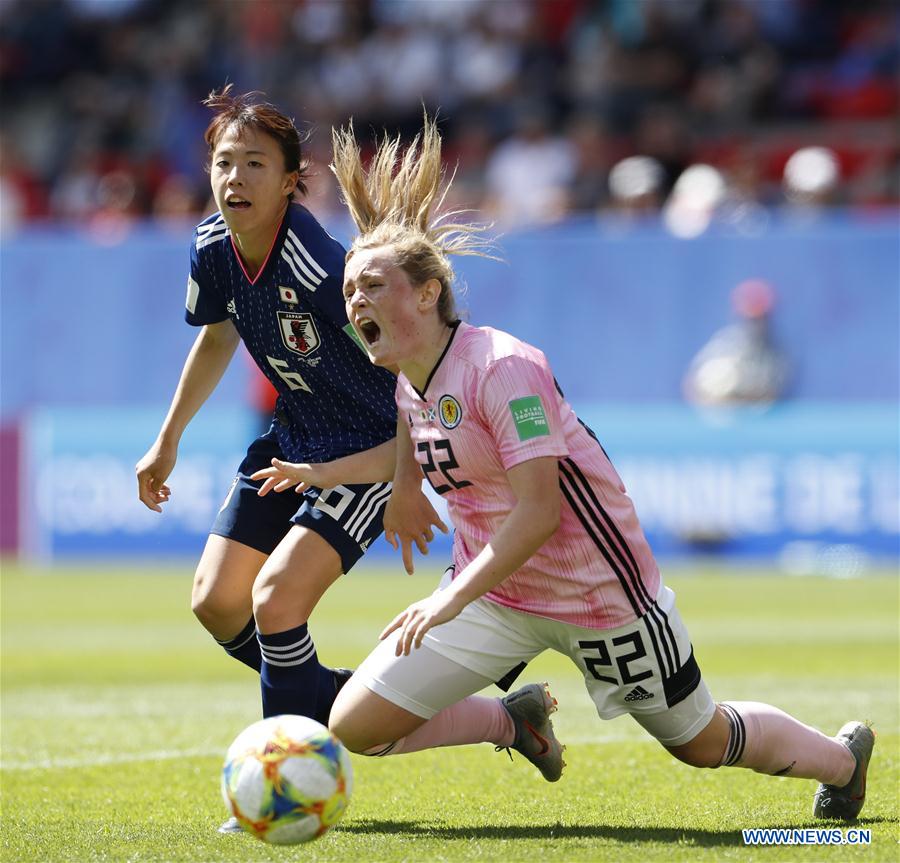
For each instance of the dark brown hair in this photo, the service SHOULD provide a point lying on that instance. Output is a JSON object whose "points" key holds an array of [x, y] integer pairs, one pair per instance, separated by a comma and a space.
{"points": [[248, 110]]}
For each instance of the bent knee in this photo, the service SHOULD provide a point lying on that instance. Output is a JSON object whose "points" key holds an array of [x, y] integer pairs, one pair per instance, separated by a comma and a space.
{"points": [[262, 595], [220, 617], [219, 609], [697, 756], [707, 749], [276, 609], [352, 734], [280, 602], [355, 726]]}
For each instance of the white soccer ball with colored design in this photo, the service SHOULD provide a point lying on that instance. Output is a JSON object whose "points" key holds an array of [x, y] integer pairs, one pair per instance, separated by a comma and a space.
{"points": [[287, 779]]}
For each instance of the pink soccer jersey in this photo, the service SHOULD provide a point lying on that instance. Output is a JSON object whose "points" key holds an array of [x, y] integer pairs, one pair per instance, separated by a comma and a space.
{"points": [[490, 404]]}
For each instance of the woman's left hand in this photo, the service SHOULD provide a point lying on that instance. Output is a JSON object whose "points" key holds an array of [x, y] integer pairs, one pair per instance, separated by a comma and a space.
{"points": [[283, 475], [441, 606], [409, 518]]}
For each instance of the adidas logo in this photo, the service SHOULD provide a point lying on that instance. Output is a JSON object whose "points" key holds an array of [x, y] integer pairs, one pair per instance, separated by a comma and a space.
{"points": [[638, 694]]}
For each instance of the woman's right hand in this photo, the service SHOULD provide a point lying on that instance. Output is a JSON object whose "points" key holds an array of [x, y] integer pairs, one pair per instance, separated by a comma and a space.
{"points": [[152, 472], [203, 369]]}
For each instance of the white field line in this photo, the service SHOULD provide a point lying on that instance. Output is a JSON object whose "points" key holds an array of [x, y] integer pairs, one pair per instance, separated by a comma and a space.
{"points": [[100, 759], [97, 760]]}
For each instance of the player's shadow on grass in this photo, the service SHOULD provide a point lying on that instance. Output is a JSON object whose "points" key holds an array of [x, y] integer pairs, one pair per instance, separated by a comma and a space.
{"points": [[707, 838]]}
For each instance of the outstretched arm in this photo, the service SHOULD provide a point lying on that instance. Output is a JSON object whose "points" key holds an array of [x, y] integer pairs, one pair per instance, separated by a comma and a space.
{"points": [[367, 466], [530, 523], [409, 515], [203, 369]]}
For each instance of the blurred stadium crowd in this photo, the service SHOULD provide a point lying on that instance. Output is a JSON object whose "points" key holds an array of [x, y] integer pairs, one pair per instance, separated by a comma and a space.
{"points": [[549, 107]]}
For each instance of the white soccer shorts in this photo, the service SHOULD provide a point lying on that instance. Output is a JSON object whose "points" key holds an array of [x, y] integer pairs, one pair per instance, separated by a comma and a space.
{"points": [[645, 668]]}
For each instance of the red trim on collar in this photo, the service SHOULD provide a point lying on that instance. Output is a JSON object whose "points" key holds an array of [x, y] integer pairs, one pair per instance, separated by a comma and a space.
{"points": [[259, 272]]}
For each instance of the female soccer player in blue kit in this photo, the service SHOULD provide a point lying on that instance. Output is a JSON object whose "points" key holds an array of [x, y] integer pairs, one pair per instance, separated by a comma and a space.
{"points": [[264, 271]]}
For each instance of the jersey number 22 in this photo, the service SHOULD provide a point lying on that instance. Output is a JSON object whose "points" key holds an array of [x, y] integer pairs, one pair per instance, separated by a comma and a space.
{"points": [[445, 463]]}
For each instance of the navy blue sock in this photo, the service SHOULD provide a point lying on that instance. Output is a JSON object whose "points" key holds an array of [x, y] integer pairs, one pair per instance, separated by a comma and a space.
{"points": [[327, 692], [290, 672], [244, 647]]}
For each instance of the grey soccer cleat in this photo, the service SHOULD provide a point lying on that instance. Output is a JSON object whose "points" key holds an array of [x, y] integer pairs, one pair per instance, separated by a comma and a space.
{"points": [[845, 803], [530, 708], [232, 825]]}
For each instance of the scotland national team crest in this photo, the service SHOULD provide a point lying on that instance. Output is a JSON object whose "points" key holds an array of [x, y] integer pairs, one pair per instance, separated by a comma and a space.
{"points": [[298, 332], [450, 412]]}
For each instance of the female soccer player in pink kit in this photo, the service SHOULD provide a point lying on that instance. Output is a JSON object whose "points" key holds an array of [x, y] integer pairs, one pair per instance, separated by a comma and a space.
{"points": [[548, 551]]}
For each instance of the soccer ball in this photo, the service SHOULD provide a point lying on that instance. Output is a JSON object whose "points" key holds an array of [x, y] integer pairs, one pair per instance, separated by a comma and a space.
{"points": [[287, 779]]}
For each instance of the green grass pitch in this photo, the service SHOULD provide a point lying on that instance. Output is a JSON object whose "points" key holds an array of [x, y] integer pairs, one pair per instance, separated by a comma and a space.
{"points": [[117, 709]]}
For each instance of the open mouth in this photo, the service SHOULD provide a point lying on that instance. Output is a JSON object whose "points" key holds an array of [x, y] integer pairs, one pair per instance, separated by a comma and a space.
{"points": [[237, 204], [370, 331]]}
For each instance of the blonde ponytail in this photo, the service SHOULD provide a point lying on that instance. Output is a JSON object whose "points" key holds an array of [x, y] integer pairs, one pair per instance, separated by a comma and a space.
{"points": [[394, 204]]}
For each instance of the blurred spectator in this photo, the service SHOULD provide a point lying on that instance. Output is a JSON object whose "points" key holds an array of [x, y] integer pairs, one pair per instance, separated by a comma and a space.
{"points": [[404, 68], [740, 364], [592, 148], [811, 177], [484, 63], [636, 185], [176, 201], [343, 82], [22, 196], [468, 157], [116, 206], [323, 194], [696, 198], [97, 86], [528, 174], [662, 133]]}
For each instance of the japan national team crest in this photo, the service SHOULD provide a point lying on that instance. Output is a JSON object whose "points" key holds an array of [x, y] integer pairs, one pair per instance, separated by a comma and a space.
{"points": [[450, 412], [298, 332]]}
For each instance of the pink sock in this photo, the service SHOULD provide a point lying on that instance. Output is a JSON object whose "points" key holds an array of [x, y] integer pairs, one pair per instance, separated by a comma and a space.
{"points": [[767, 740], [473, 720]]}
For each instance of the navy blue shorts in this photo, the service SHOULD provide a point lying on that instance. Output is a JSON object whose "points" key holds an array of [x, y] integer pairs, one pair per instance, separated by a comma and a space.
{"points": [[347, 517]]}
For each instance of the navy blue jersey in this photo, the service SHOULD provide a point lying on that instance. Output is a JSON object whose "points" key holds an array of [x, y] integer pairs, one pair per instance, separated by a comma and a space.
{"points": [[293, 322]]}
